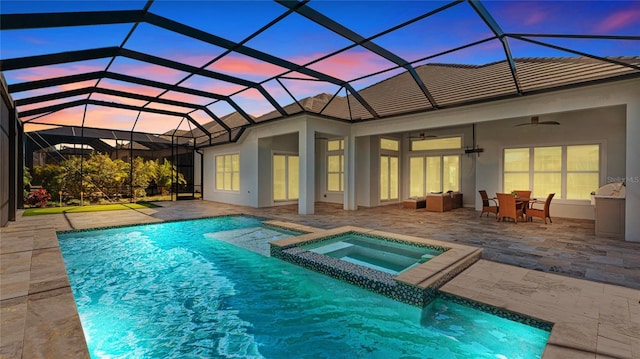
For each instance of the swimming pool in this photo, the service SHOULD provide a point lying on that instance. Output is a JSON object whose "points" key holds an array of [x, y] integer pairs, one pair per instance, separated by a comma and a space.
{"points": [[171, 290], [373, 252]]}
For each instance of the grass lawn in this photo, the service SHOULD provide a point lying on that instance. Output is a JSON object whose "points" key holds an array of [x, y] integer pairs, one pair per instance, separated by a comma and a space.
{"points": [[92, 208]]}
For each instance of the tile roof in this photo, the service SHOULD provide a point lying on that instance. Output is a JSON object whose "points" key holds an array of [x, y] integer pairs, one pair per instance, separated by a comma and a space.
{"points": [[455, 85]]}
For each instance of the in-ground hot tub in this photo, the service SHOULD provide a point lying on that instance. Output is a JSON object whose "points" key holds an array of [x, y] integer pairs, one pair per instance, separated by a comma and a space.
{"points": [[405, 268], [375, 252]]}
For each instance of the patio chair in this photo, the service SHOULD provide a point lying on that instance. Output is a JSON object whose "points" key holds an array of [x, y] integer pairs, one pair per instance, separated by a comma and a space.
{"points": [[522, 194], [540, 212], [486, 205], [508, 207]]}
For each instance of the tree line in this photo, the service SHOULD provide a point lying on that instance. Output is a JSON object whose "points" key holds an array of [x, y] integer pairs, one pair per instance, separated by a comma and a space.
{"points": [[99, 178]]}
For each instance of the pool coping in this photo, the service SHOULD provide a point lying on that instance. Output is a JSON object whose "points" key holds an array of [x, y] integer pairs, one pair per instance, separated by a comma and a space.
{"points": [[416, 286]]}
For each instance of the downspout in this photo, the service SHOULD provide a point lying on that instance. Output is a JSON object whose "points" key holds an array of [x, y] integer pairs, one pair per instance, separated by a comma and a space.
{"points": [[201, 172], [84, 116], [173, 163], [131, 165]]}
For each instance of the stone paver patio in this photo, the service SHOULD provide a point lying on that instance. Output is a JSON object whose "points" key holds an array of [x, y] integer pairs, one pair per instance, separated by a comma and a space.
{"points": [[560, 272]]}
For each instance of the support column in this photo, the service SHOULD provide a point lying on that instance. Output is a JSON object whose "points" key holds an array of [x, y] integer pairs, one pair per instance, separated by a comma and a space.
{"points": [[632, 201], [13, 164], [20, 191], [350, 173], [306, 155]]}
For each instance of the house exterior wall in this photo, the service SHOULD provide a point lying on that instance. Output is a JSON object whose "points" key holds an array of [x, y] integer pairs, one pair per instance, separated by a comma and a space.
{"points": [[604, 113], [256, 149]]}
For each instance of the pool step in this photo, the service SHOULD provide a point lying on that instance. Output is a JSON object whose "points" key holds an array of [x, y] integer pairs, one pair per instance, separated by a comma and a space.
{"points": [[332, 247]]}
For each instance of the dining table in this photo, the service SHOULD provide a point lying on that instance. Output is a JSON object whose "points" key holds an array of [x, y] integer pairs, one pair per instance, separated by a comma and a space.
{"points": [[524, 202]]}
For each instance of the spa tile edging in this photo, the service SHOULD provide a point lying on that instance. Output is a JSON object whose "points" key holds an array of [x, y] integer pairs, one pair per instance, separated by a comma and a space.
{"points": [[363, 277], [368, 278]]}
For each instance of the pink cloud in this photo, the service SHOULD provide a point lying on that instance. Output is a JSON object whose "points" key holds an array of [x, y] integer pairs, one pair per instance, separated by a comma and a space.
{"points": [[162, 106], [618, 20], [47, 72], [35, 40], [148, 71], [131, 88], [77, 85], [37, 127], [117, 99], [191, 59], [185, 97], [53, 89], [534, 16], [250, 94], [154, 123], [110, 118], [352, 64], [67, 117], [299, 75], [238, 64], [211, 85], [49, 103], [527, 13]]}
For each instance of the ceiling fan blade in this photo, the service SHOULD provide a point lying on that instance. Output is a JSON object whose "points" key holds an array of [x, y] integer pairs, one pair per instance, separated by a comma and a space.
{"points": [[422, 136], [535, 120]]}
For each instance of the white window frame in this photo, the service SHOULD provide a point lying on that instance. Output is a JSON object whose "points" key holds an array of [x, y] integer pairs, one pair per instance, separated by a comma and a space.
{"points": [[561, 197], [227, 157], [389, 153], [340, 153], [287, 155], [424, 170], [439, 150]]}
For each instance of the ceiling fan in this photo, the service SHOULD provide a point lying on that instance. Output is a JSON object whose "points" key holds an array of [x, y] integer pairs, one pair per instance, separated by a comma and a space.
{"points": [[535, 120], [421, 135]]}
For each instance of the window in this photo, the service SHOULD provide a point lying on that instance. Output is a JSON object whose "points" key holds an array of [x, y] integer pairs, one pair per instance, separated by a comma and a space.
{"points": [[433, 174], [583, 171], [547, 171], [228, 172], [516, 169], [389, 169], [571, 172], [430, 144], [285, 177], [335, 165], [389, 145], [416, 176], [388, 177]]}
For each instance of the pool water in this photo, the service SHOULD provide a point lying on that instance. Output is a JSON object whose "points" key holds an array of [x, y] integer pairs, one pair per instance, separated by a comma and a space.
{"points": [[172, 291], [373, 252]]}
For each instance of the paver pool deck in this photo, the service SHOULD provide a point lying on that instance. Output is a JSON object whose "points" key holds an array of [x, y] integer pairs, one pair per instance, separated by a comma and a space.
{"points": [[561, 273]]}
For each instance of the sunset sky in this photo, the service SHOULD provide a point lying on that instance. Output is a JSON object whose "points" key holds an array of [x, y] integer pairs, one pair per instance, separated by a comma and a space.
{"points": [[295, 39]]}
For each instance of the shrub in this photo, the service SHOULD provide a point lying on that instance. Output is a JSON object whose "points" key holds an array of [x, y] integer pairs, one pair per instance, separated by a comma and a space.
{"points": [[39, 198]]}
